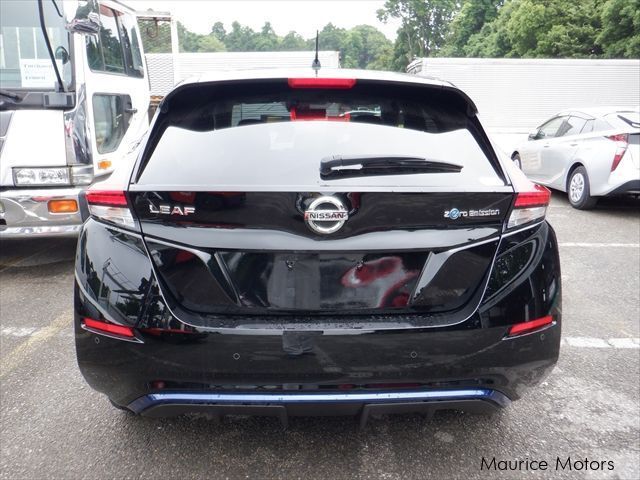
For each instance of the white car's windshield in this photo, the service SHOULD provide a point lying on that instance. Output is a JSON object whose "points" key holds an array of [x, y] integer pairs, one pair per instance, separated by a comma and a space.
{"points": [[24, 60]]}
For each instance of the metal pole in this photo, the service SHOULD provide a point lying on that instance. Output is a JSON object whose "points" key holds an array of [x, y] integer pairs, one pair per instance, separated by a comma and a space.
{"points": [[175, 51]]}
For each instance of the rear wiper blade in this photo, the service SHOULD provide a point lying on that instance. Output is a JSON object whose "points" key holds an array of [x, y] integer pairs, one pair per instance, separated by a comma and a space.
{"points": [[348, 166]]}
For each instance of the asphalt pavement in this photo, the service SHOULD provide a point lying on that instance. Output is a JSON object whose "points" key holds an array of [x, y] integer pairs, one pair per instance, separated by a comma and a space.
{"points": [[52, 425]]}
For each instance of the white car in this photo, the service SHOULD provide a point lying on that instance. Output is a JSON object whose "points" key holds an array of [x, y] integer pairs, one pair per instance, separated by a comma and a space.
{"points": [[588, 153]]}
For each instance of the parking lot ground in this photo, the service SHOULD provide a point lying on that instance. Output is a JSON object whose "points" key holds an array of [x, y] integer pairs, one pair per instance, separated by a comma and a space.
{"points": [[54, 426]]}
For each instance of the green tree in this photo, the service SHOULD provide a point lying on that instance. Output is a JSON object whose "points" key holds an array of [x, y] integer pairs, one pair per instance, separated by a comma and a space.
{"points": [[620, 33], [188, 41], [292, 41], [469, 20], [424, 25], [331, 38], [366, 47], [209, 43], [240, 39], [548, 29], [266, 40], [218, 31]]}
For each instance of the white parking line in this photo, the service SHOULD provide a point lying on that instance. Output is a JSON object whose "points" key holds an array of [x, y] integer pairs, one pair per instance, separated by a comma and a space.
{"points": [[587, 342], [17, 331], [599, 245], [573, 342]]}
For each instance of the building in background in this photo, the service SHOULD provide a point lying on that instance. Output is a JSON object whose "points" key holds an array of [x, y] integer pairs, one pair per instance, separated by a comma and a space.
{"points": [[514, 96], [167, 69]]}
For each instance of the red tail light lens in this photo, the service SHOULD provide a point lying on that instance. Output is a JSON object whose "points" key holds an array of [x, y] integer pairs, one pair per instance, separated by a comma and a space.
{"points": [[110, 206], [313, 82], [529, 206], [622, 140], [530, 326], [538, 196], [106, 197], [101, 326]]}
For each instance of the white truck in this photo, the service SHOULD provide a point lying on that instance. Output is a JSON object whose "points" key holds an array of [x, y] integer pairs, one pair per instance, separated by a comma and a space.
{"points": [[74, 100]]}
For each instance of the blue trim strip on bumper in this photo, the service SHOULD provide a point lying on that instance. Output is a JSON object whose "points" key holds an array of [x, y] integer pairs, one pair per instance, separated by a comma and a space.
{"points": [[204, 398]]}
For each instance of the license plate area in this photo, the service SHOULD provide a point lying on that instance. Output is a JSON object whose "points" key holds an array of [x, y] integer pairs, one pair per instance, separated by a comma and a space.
{"points": [[324, 281]]}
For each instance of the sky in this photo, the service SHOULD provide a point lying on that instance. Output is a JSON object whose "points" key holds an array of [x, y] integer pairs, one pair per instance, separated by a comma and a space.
{"points": [[303, 16]]}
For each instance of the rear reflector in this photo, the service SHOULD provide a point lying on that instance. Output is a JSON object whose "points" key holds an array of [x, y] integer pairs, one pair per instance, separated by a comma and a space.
{"points": [[110, 206], [110, 328], [529, 206], [341, 83], [528, 327], [62, 206], [622, 141]]}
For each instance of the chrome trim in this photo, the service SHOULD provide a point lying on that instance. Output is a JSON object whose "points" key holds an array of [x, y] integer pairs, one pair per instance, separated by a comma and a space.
{"points": [[107, 334], [527, 227], [47, 231], [26, 212], [203, 398]]}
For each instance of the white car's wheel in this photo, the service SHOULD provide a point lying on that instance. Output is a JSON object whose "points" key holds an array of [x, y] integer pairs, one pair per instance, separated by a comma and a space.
{"points": [[578, 190]]}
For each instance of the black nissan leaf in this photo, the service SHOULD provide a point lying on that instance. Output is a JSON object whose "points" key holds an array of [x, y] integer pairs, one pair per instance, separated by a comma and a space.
{"points": [[310, 243]]}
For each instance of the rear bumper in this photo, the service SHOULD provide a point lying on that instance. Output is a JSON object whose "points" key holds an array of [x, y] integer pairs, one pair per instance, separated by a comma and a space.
{"points": [[323, 364], [25, 213], [338, 371], [627, 188], [296, 404]]}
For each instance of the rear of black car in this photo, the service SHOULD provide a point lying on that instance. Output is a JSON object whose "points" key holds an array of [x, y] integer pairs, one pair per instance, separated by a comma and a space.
{"points": [[317, 245]]}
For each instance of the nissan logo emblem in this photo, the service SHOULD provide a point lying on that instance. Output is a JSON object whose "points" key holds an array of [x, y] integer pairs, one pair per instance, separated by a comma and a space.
{"points": [[326, 215]]}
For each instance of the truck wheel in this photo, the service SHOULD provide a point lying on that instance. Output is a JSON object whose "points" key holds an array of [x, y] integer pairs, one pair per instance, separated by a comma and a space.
{"points": [[578, 190]]}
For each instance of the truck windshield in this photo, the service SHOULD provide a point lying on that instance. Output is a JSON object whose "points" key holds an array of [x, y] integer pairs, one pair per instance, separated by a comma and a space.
{"points": [[24, 61]]}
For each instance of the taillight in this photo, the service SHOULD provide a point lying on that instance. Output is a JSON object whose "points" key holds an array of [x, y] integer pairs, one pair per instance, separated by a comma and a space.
{"points": [[314, 82], [530, 326], [110, 206], [530, 206], [622, 142]]}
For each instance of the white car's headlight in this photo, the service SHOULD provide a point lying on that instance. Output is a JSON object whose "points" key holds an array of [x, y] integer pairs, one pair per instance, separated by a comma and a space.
{"points": [[41, 176]]}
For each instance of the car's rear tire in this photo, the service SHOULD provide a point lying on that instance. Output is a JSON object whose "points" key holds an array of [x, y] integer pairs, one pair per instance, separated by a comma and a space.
{"points": [[516, 159], [578, 190]]}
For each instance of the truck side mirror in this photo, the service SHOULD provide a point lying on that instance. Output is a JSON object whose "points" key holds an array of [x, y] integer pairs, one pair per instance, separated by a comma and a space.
{"points": [[62, 54], [86, 21]]}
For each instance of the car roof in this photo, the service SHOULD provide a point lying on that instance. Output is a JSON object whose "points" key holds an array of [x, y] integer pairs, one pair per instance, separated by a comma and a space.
{"points": [[281, 73], [596, 112], [273, 73]]}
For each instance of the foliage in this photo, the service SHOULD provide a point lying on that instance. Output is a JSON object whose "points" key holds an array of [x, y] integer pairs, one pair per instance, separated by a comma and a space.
{"points": [[559, 29], [473, 28], [424, 25], [469, 20], [620, 33]]}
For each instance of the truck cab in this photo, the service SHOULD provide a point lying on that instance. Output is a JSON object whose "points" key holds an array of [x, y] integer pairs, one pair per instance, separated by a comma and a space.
{"points": [[62, 129]]}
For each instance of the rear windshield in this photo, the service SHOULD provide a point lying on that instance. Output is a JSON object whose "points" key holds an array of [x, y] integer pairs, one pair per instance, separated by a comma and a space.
{"points": [[267, 132]]}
